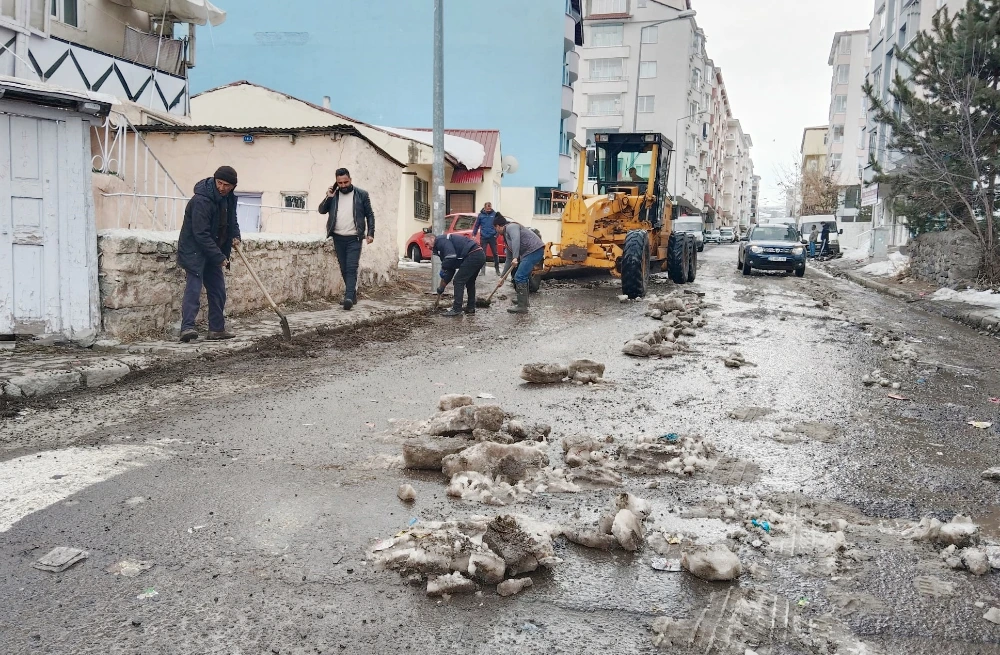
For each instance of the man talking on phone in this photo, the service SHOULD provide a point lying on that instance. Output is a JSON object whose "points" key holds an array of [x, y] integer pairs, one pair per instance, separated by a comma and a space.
{"points": [[350, 221]]}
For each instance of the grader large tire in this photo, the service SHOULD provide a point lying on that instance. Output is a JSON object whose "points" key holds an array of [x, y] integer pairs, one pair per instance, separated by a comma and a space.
{"points": [[693, 264], [635, 264], [677, 258]]}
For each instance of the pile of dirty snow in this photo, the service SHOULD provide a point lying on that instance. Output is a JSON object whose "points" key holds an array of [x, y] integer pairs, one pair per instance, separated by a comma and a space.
{"points": [[989, 299], [894, 265]]}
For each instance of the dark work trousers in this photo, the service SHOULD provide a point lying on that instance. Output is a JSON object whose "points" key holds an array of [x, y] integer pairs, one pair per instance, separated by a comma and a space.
{"points": [[214, 281], [465, 279], [348, 256], [492, 243]]}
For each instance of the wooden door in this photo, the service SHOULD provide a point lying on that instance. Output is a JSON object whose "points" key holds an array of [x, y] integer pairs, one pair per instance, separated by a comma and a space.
{"points": [[29, 226]]}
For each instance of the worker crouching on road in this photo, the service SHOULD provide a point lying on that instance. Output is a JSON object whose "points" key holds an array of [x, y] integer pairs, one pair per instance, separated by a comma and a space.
{"points": [[206, 241], [528, 249], [461, 259]]}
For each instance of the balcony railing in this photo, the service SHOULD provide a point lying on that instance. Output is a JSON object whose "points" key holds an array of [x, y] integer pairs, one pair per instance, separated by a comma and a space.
{"points": [[167, 55], [607, 78], [598, 111]]}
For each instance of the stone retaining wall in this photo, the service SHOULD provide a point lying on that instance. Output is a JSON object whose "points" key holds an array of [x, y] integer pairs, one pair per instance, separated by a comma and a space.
{"points": [[951, 259], [141, 285]]}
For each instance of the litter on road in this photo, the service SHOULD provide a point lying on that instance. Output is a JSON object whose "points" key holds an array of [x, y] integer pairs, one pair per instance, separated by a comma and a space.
{"points": [[60, 558]]}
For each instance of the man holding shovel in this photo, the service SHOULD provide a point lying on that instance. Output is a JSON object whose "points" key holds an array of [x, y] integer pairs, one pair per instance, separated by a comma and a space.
{"points": [[206, 241], [350, 222], [461, 260]]}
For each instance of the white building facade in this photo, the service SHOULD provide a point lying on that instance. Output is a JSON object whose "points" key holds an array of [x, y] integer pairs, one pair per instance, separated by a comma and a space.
{"points": [[895, 24], [847, 142]]}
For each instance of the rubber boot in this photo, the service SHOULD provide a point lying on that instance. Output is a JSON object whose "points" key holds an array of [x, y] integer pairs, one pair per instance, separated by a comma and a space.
{"points": [[522, 299]]}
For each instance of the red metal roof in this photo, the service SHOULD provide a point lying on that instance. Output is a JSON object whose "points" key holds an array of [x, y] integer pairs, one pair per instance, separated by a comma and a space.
{"points": [[488, 138], [467, 177]]}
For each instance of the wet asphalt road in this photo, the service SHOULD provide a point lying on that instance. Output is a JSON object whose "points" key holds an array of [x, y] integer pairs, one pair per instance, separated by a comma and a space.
{"points": [[256, 486]]}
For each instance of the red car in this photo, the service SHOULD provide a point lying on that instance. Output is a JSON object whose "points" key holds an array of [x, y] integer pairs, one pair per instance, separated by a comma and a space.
{"points": [[418, 248]]}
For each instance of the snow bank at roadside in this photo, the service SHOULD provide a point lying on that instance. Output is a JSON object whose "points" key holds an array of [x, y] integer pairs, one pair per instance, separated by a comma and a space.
{"points": [[969, 297], [894, 265]]}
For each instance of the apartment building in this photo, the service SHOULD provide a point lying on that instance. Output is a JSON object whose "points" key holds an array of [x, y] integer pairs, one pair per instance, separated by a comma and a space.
{"points": [[812, 151], [754, 199], [895, 24], [737, 176], [645, 68], [847, 142], [720, 113]]}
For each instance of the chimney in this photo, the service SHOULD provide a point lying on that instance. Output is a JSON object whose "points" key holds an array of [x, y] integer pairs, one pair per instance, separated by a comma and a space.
{"points": [[326, 102]]}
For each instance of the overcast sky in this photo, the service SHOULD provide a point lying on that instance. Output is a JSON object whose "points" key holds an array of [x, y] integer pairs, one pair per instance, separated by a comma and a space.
{"points": [[773, 56]]}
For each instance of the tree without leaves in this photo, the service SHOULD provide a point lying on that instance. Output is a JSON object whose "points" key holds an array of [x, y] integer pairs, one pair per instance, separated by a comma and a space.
{"points": [[820, 193], [945, 127]]}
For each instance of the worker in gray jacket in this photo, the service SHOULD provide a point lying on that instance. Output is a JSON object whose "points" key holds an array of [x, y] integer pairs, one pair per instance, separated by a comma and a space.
{"points": [[528, 249]]}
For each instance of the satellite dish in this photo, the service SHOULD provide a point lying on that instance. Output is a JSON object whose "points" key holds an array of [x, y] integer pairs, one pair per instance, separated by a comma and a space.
{"points": [[509, 164]]}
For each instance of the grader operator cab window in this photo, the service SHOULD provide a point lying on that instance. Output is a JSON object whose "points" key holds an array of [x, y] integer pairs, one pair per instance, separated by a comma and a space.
{"points": [[623, 162]]}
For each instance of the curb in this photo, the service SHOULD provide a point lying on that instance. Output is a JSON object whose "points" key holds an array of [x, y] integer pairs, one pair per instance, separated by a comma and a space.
{"points": [[114, 369], [977, 319]]}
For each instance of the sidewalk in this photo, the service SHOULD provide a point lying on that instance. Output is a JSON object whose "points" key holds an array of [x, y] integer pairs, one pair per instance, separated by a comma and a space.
{"points": [[29, 370], [915, 291]]}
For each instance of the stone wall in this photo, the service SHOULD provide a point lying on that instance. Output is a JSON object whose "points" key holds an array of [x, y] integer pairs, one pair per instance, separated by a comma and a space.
{"points": [[141, 285], [951, 259]]}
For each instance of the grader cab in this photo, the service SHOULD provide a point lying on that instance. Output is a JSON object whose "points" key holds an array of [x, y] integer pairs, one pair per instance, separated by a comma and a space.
{"points": [[626, 227]]}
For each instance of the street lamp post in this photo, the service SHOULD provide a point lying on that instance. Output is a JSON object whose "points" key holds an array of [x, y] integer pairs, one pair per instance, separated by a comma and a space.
{"points": [[437, 224], [690, 13]]}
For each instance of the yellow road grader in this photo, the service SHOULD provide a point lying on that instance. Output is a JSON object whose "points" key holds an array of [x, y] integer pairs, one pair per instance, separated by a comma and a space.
{"points": [[626, 228]]}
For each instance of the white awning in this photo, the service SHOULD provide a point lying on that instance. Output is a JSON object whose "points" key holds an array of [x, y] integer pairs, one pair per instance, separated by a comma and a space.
{"points": [[198, 12]]}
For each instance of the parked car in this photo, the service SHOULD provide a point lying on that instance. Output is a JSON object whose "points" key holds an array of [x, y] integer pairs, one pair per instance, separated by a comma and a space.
{"points": [[713, 236], [773, 247], [691, 225], [728, 235], [418, 248]]}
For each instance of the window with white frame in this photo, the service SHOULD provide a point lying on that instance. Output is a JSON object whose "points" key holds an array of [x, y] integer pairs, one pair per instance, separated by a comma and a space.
{"points": [[873, 141], [293, 199], [835, 161], [647, 69], [861, 139], [601, 7], [66, 11], [877, 81], [843, 74], [692, 109], [647, 104], [606, 36], [845, 45], [649, 34], [840, 104], [881, 20], [421, 199], [604, 104], [8, 9], [641, 4], [606, 69], [696, 78], [692, 144]]}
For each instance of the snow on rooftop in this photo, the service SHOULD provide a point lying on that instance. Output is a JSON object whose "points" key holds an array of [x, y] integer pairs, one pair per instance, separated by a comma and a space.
{"points": [[468, 153]]}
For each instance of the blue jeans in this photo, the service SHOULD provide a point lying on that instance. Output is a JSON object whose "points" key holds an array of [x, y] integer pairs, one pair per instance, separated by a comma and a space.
{"points": [[214, 282], [527, 264], [812, 248], [348, 256]]}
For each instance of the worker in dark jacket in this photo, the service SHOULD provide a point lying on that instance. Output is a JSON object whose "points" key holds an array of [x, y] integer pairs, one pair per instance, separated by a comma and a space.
{"points": [[484, 227], [824, 240], [461, 259], [207, 237], [351, 221], [528, 249]]}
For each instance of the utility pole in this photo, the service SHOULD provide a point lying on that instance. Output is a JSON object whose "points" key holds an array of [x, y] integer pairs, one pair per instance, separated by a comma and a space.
{"points": [[437, 184]]}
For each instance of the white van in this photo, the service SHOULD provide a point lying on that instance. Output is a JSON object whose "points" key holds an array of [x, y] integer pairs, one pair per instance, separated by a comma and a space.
{"points": [[806, 225]]}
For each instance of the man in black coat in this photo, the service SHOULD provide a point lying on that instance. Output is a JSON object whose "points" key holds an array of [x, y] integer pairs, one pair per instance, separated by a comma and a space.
{"points": [[207, 236], [350, 221], [461, 259]]}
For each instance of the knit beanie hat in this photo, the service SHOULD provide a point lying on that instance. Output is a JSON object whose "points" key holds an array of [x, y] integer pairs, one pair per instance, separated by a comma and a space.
{"points": [[226, 174]]}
